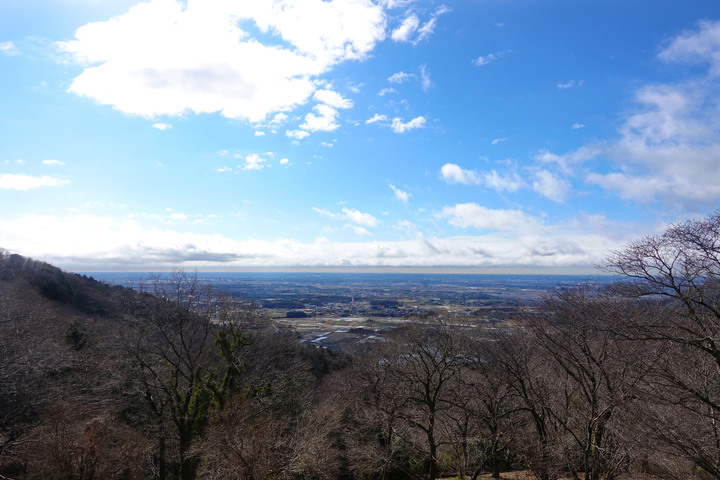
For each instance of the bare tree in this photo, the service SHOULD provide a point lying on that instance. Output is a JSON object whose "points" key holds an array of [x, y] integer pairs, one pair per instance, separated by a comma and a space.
{"points": [[179, 366], [677, 274], [584, 335], [408, 384]]}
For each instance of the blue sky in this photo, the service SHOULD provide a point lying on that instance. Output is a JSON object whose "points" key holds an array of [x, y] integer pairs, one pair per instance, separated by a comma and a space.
{"points": [[513, 135]]}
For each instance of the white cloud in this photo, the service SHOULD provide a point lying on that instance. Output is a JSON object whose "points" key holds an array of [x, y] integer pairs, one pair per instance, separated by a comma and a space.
{"points": [[400, 77], [181, 217], [296, 134], [452, 173], [641, 188], [259, 133], [355, 216], [9, 48], [84, 242], [405, 30], [550, 186], [696, 46], [162, 126], [569, 84], [376, 118], [254, 162], [567, 161], [398, 126], [386, 91], [497, 140], [332, 98], [472, 215], [411, 25], [484, 60], [325, 120], [9, 181], [406, 226], [325, 213], [279, 119], [396, 3], [508, 183], [577, 125], [401, 195], [360, 230], [489, 58], [668, 148], [224, 169], [53, 162], [360, 218], [425, 78], [165, 58], [285, 161]]}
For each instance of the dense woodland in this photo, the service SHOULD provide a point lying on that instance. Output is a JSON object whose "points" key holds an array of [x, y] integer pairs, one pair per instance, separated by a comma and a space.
{"points": [[178, 381]]}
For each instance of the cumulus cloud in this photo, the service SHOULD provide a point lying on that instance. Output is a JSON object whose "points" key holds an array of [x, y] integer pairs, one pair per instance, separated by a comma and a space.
{"points": [[404, 32], [376, 118], [452, 173], [53, 162], [253, 162], [355, 216], [668, 147], [360, 230], [472, 215], [297, 134], [162, 126], [9, 48], [569, 84], [401, 195], [325, 213], [9, 181], [507, 238], [400, 77], [324, 119], [484, 60], [551, 186], [701, 45], [568, 161], [500, 183], [411, 29], [332, 99], [165, 58], [399, 126], [360, 218]]}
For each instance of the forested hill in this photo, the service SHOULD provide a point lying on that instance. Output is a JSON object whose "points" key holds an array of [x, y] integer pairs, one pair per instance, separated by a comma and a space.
{"points": [[593, 381], [79, 291], [100, 381]]}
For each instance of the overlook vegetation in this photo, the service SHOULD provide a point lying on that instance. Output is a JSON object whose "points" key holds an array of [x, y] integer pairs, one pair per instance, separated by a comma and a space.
{"points": [[175, 380]]}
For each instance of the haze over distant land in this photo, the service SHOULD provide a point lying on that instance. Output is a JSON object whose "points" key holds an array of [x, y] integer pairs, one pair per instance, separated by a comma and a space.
{"points": [[378, 270], [353, 135]]}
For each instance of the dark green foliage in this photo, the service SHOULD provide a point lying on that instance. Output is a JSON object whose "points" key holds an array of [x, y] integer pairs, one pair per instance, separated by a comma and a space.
{"points": [[78, 334]]}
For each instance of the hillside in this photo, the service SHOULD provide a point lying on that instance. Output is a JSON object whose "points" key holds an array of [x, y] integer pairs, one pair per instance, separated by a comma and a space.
{"points": [[593, 381]]}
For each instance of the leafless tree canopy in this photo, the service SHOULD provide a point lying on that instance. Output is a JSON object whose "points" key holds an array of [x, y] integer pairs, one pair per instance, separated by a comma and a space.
{"points": [[175, 380]]}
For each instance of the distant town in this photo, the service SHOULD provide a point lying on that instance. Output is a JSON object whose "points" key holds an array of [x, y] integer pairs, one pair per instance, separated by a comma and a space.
{"points": [[334, 309]]}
